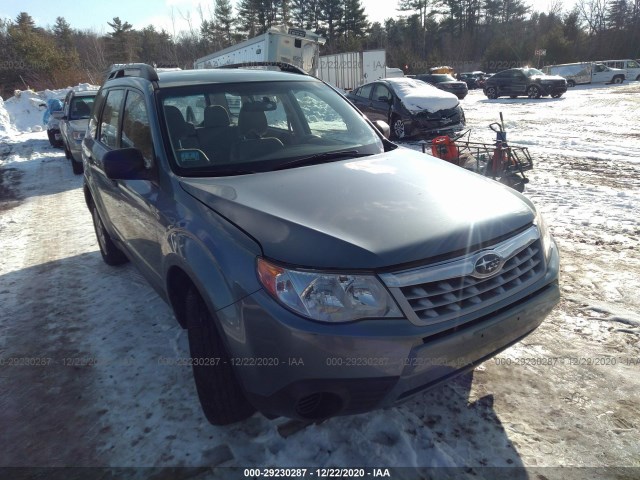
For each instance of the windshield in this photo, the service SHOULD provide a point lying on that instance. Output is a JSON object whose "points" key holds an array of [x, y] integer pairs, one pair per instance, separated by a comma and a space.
{"points": [[530, 72], [228, 129], [81, 108]]}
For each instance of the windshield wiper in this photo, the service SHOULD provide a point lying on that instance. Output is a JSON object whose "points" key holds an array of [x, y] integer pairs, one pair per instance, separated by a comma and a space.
{"points": [[321, 157]]}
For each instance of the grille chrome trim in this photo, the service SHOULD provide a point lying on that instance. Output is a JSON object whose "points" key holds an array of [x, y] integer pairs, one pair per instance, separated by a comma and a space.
{"points": [[449, 289], [459, 267]]}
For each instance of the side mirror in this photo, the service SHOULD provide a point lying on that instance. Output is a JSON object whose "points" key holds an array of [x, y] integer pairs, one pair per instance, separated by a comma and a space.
{"points": [[383, 128], [125, 164]]}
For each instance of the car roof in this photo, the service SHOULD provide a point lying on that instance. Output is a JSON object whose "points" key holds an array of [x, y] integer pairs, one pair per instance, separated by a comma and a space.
{"points": [[177, 78], [85, 93]]}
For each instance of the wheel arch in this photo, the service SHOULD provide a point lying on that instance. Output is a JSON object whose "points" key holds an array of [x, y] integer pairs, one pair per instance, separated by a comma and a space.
{"points": [[192, 264]]}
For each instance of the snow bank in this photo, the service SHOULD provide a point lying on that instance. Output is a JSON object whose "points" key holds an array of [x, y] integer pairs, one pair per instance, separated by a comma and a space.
{"points": [[6, 128], [418, 96], [23, 112]]}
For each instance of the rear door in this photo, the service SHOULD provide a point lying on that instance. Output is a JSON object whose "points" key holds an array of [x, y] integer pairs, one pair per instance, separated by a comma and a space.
{"points": [[361, 98]]}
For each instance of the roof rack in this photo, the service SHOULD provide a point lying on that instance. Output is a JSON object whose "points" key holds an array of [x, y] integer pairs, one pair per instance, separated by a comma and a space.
{"points": [[142, 70], [284, 67]]}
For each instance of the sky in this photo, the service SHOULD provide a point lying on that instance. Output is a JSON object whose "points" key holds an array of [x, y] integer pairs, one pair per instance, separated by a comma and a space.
{"points": [[172, 15]]}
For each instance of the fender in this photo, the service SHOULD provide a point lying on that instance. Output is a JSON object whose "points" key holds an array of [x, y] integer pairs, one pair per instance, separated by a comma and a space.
{"points": [[203, 259]]}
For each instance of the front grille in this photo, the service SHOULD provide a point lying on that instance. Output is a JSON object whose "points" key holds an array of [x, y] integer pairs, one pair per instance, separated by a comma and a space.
{"points": [[440, 119], [442, 300]]}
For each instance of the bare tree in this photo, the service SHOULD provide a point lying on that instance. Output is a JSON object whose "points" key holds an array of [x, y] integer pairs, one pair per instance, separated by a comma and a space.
{"points": [[594, 14]]}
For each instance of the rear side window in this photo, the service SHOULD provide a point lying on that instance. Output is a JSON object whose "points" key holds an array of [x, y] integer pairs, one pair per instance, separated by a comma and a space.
{"points": [[365, 91], [136, 132], [111, 118]]}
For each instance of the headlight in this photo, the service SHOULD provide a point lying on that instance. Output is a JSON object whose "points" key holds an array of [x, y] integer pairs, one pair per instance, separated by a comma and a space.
{"points": [[77, 135], [545, 235], [327, 297]]}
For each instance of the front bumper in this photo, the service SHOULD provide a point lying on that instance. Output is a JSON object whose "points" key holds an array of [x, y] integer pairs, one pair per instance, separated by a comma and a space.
{"points": [[554, 89], [297, 368]]}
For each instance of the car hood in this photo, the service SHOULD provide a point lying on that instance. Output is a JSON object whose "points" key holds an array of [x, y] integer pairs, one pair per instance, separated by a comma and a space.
{"points": [[384, 210]]}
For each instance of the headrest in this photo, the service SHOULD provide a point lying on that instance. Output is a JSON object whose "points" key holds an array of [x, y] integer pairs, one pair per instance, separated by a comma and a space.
{"points": [[252, 121], [216, 116]]}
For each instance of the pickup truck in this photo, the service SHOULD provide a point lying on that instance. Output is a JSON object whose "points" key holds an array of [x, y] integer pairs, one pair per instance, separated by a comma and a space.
{"points": [[586, 72]]}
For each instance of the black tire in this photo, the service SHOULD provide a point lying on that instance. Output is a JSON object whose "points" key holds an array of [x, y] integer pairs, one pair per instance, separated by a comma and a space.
{"points": [[571, 83], [491, 93], [52, 138], [398, 128], [67, 152], [221, 397], [534, 92], [618, 80], [77, 167], [111, 254], [513, 96]]}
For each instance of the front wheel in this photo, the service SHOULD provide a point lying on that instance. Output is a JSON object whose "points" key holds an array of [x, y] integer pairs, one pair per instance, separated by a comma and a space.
{"points": [[397, 128], [221, 397], [534, 92], [571, 83], [77, 167], [618, 80], [111, 254], [491, 93]]}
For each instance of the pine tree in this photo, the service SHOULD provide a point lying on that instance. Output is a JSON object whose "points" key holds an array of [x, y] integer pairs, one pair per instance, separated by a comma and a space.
{"points": [[331, 12], [62, 31], [123, 46], [248, 13], [618, 13], [224, 22], [354, 21]]}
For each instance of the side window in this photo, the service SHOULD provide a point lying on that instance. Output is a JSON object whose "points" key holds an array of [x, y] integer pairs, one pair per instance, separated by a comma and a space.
{"points": [[111, 118], [381, 93], [136, 132], [365, 90], [277, 118], [323, 120]]}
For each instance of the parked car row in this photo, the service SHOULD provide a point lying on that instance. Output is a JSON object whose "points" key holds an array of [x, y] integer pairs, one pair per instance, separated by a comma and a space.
{"points": [[310, 259]]}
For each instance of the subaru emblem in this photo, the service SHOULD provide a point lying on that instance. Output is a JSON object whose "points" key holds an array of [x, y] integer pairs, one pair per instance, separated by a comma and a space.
{"points": [[487, 265]]}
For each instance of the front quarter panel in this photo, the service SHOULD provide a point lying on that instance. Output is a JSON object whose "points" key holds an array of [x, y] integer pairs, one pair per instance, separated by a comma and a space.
{"points": [[219, 258]]}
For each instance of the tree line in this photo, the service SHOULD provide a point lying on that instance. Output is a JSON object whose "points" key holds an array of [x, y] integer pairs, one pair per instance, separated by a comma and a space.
{"points": [[480, 34]]}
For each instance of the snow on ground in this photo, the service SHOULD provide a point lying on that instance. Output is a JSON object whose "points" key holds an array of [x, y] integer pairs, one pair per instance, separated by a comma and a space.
{"points": [[96, 335]]}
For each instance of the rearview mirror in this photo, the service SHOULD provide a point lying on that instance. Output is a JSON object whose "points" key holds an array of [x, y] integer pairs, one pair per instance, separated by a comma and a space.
{"points": [[383, 128], [125, 164]]}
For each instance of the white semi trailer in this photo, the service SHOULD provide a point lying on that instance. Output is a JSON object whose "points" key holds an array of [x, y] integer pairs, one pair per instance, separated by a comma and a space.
{"points": [[352, 69], [279, 44]]}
